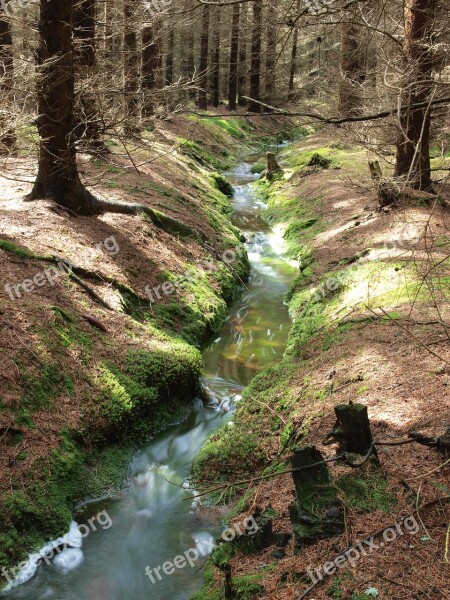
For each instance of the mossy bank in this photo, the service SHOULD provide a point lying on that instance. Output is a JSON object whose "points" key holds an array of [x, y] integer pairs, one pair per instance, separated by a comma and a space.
{"points": [[98, 359], [356, 280]]}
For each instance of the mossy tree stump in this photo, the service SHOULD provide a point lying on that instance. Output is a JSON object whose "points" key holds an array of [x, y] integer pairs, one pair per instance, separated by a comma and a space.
{"points": [[352, 430], [317, 512], [273, 168]]}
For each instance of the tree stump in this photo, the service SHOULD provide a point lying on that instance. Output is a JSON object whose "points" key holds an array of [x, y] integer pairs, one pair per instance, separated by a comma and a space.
{"points": [[375, 170], [317, 512], [352, 429], [273, 168]]}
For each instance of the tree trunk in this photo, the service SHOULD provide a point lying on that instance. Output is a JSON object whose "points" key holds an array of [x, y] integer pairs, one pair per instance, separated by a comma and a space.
{"points": [[203, 67], [293, 68], [107, 28], [151, 67], [271, 52], [352, 71], [130, 70], [215, 75], [413, 145], [242, 67], [8, 137], [87, 130], [169, 56], [58, 174], [234, 51], [255, 72]]}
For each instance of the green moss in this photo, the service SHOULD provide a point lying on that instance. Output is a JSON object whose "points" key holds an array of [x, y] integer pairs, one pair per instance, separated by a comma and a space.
{"points": [[198, 152], [366, 493], [258, 167], [222, 184], [9, 246]]}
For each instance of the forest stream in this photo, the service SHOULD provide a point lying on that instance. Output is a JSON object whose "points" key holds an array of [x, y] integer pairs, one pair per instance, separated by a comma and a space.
{"points": [[149, 523]]}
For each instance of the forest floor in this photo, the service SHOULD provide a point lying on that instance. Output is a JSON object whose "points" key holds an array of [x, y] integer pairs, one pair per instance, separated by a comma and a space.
{"points": [[96, 360], [371, 325]]}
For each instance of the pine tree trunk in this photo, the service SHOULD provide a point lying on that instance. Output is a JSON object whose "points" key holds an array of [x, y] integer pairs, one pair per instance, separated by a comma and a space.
{"points": [[169, 56], [189, 51], [242, 67], [352, 71], [234, 51], [87, 131], [413, 145], [58, 174], [130, 71], [8, 137], [107, 17], [271, 52], [293, 68], [203, 67], [151, 66], [255, 72], [215, 75]]}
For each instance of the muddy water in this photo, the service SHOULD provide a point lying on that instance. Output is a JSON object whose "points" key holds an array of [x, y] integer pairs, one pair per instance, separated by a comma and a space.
{"points": [[149, 523]]}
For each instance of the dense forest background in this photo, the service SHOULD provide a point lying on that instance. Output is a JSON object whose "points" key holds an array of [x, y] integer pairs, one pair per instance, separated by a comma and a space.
{"points": [[115, 68]]}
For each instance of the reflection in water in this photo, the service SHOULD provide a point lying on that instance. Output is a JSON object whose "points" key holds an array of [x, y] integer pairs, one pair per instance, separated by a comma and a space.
{"points": [[151, 523]]}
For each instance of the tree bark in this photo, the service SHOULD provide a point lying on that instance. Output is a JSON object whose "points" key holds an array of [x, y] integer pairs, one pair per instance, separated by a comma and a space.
{"points": [[242, 67], [151, 67], [255, 71], [215, 75], [130, 70], [8, 137], [57, 177], [169, 56], [352, 71], [293, 68], [87, 131], [413, 144], [203, 67], [234, 52], [271, 51]]}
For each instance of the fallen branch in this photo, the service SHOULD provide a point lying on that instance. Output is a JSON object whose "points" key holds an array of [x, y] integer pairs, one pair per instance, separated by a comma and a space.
{"points": [[333, 120]]}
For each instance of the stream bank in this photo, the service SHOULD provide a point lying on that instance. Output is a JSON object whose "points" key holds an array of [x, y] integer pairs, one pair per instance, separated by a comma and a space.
{"points": [[149, 523], [353, 260], [84, 384]]}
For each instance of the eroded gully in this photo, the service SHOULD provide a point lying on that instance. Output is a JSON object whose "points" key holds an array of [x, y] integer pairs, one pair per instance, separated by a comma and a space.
{"points": [[149, 523]]}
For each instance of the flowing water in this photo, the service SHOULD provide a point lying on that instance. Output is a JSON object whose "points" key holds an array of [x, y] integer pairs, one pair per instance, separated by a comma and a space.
{"points": [[149, 523]]}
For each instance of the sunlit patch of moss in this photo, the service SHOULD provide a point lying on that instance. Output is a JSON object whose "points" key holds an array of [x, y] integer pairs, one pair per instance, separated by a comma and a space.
{"points": [[21, 252], [298, 159]]}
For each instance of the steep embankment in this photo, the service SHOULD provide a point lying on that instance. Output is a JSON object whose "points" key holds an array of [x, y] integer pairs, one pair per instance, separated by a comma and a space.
{"points": [[370, 313], [95, 360]]}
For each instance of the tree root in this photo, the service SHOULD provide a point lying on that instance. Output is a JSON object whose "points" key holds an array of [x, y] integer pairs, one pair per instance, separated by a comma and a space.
{"points": [[82, 202]]}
